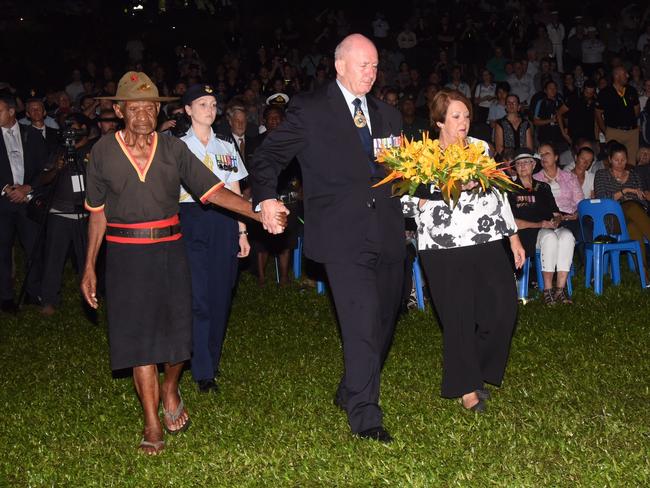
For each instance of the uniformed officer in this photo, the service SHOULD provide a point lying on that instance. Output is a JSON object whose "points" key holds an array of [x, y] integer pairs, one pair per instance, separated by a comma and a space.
{"points": [[213, 238]]}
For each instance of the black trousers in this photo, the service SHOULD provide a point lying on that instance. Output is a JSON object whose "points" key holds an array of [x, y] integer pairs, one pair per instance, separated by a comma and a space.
{"points": [[60, 233], [473, 290], [15, 222], [367, 296]]}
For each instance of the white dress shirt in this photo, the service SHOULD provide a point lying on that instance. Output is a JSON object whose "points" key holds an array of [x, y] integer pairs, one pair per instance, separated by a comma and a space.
{"points": [[14, 146], [349, 98]]}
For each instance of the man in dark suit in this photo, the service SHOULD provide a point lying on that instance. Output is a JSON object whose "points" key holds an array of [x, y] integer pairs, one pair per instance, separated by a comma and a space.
{"points": [[23, 154], [238, 132], [356, 230], [35, 112]]}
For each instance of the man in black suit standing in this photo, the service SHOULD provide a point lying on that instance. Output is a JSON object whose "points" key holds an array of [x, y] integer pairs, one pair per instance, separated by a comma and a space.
{"points": [[357, 231], [23, 154]]}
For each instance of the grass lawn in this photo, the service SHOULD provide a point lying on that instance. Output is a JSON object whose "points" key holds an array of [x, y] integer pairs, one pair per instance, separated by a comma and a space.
{"points": [[573, 410]]}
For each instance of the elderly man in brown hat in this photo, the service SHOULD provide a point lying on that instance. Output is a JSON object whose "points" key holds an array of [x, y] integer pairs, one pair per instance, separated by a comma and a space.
{"points": [[132, 193]]}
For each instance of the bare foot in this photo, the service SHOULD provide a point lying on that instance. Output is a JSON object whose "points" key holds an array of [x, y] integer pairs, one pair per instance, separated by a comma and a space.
{"points": [[48, 310], [152, 442]]}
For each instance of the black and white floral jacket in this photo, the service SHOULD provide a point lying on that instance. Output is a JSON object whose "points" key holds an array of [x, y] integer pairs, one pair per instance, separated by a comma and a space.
{"points": [[477, 218]]}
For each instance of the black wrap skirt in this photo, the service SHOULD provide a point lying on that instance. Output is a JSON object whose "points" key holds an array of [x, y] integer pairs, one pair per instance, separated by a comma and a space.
{"points": [[149, 303]]}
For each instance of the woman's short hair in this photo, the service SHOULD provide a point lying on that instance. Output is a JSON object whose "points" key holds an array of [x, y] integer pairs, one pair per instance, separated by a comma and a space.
{"points": [[586, 149], [614, 147], [440, 103], [549, 144]]}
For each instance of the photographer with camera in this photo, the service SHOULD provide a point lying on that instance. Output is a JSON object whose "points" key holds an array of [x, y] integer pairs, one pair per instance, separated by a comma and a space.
{"points": [[67, 219], [177, 122]]}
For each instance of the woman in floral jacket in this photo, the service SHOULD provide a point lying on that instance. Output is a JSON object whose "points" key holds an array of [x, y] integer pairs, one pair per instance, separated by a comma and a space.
{"points": [[469, 273]]}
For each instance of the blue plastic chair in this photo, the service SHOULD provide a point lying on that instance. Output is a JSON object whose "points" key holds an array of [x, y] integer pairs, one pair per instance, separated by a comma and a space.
{"points": [[297, 259], [297, 262], [419, 283], [599, 255], [523, 281], [320, 287]]}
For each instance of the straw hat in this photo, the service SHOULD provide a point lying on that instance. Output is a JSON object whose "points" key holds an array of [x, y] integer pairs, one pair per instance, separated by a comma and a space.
{"points": [[134, 86]]}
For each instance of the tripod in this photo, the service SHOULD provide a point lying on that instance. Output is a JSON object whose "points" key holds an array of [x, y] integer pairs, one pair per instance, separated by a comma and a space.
{"points": [[71, 167]]}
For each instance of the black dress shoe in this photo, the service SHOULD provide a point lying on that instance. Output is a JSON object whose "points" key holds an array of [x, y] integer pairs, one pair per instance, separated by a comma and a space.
{"points": [[9, 306], [339, 402], [478, 407], [206, 386], [33, 300], [376, 434], [483, 394]]}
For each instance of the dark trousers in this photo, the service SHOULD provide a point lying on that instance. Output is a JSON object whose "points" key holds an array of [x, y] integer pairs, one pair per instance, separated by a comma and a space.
{"points": [[15, 222], [212, 242], [60, 233], [367, 296], [473, 290]]}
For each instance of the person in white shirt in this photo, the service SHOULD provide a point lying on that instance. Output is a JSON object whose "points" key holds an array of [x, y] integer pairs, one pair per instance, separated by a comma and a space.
{"points": [[521, 84], [532, 65], [644, 39], [484, 95], [592, 51], [76, 87], [556, 34]]}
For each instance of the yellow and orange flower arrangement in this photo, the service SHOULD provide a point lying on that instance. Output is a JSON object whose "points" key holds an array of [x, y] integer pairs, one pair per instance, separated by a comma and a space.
{"points": [[425, 162]]}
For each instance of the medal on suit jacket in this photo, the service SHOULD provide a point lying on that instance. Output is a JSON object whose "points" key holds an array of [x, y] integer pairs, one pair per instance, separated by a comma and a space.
{"points": [[360, 119]]}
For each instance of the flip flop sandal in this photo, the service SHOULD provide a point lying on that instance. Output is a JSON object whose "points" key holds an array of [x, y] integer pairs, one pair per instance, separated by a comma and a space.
{"points": [[172, 417], [157, 446]]}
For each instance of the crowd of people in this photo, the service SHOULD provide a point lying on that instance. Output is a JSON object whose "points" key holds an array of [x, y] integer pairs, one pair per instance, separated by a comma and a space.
{"points": [[561, 101]]}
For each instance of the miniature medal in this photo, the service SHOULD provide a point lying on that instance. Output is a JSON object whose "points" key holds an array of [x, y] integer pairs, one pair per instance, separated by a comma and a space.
{"points": [[360, 119]]}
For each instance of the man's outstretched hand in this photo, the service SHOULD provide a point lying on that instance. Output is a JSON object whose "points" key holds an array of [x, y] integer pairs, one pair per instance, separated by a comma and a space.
{"points": [[274, 216]]}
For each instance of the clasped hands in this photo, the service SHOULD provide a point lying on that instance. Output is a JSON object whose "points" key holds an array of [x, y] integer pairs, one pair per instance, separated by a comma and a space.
{"points": [[17, 193], [274, 216]]}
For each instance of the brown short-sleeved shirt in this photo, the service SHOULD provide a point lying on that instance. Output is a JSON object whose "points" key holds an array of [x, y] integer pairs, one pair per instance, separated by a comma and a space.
{"points": [[127, 195]]}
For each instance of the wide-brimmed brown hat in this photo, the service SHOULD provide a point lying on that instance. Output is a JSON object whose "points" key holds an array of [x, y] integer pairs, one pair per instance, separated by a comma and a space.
{"points": [[135, 86]]}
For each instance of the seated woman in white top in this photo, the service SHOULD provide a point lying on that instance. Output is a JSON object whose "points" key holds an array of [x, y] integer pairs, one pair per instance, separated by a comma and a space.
{"points": [[584, 160]]}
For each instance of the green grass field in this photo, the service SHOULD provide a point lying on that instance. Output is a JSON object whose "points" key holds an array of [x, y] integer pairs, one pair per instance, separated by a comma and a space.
{"points": [[573, 410]]}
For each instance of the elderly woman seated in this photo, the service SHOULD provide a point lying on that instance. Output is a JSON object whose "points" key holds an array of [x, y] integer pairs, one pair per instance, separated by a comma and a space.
{"points": [[539, 221]]}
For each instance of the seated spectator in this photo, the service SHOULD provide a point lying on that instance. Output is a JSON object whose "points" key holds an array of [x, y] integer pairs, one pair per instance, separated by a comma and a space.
{"points": [[568, 157], [564, 186], [484, 95], [498, 108], [539, 222], [412, 125], [623, 184], [107, 122], [545, 115], [512, 131], [456, 82], [584, 160]]}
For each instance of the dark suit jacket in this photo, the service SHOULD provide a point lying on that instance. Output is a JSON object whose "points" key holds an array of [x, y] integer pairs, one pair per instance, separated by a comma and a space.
{"points": [[34, 156], [339, 201]]}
